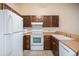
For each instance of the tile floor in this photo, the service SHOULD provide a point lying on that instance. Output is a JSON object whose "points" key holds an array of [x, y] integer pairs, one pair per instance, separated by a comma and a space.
{"points": [[38, 53]]}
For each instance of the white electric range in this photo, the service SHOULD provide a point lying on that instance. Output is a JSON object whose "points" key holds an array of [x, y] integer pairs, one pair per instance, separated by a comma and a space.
{"points": [[37, 42]]}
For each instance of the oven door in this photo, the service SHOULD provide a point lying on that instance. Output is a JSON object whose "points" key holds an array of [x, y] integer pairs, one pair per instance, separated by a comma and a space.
{"points": [[36, 40]]}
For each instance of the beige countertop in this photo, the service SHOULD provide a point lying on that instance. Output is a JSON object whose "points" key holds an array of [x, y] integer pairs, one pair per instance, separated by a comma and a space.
{"points": [[73, 44], [45, 33]]}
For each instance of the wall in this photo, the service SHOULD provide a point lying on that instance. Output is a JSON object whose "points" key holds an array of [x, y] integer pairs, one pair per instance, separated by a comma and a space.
{"points": [[45, 29], [68, 13], [69, 19]]}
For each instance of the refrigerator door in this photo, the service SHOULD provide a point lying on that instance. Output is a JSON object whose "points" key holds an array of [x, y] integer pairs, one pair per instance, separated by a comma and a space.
{"points": [[8, 44], [18, 44], [1, 46], [20, 24]]}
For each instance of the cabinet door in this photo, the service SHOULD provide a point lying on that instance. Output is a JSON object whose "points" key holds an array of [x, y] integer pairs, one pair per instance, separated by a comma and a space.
{"points": [[55, 21], [27, 21], [55, 49], [1, 5], [55, 46], [34, 19], [26, 42], [47, 21], [47, 42]]}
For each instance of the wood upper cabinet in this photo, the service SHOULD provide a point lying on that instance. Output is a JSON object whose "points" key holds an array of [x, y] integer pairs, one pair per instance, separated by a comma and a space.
{"points": [[47, 21], [47, 42], [26, 21], [51, 21], [1, 5], [55, 21], [34, 19], [26, 42]]}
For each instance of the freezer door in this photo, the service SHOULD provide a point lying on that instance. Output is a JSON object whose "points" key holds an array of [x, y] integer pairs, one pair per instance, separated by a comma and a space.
{"points": [[20, 24], [11, 22], [7, 22], [17, 44], [1, 22], [17, 23], [1, 46]]}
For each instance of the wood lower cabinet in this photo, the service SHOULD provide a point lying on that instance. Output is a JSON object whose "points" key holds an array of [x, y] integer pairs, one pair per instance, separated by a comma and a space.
{"points": [[55, 46], [47, 42], [26, 42]]}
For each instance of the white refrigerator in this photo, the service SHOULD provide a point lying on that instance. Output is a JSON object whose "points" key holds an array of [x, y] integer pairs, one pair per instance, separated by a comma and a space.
{"points": [[11, 29]]}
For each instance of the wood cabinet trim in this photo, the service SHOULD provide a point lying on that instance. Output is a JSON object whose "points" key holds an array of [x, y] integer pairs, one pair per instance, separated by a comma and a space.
{"points": [[5, 6]]}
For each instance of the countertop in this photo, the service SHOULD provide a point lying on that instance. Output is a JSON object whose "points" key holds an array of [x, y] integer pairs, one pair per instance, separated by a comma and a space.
{"points": [[45, 33], [73, 44]]}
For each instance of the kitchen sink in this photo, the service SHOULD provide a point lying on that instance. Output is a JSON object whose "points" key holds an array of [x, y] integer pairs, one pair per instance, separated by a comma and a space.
{"points": [[61, 37]]}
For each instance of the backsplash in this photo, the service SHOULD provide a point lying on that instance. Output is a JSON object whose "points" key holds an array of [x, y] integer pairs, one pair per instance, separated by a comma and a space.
{"points": [[73, 35], [50, 29], [45, 29]]}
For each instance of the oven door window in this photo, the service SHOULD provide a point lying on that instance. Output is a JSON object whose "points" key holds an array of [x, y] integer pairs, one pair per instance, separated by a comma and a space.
{"points": [[36, 39]]}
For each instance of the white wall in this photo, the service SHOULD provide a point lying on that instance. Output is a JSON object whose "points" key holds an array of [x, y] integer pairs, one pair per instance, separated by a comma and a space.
{"points": [[69, 18], [68, 13]]}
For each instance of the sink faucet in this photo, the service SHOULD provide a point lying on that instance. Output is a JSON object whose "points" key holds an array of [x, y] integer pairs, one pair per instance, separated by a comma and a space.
{"points": [[66, 35], [70, 35]]}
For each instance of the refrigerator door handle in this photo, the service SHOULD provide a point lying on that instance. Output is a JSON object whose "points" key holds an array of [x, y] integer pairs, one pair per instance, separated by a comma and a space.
{"points": [[7, 34], [18, 32]]}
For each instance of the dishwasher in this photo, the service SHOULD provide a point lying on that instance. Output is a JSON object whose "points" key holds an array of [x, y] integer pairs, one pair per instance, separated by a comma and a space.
{"points": [[65, 50]]}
